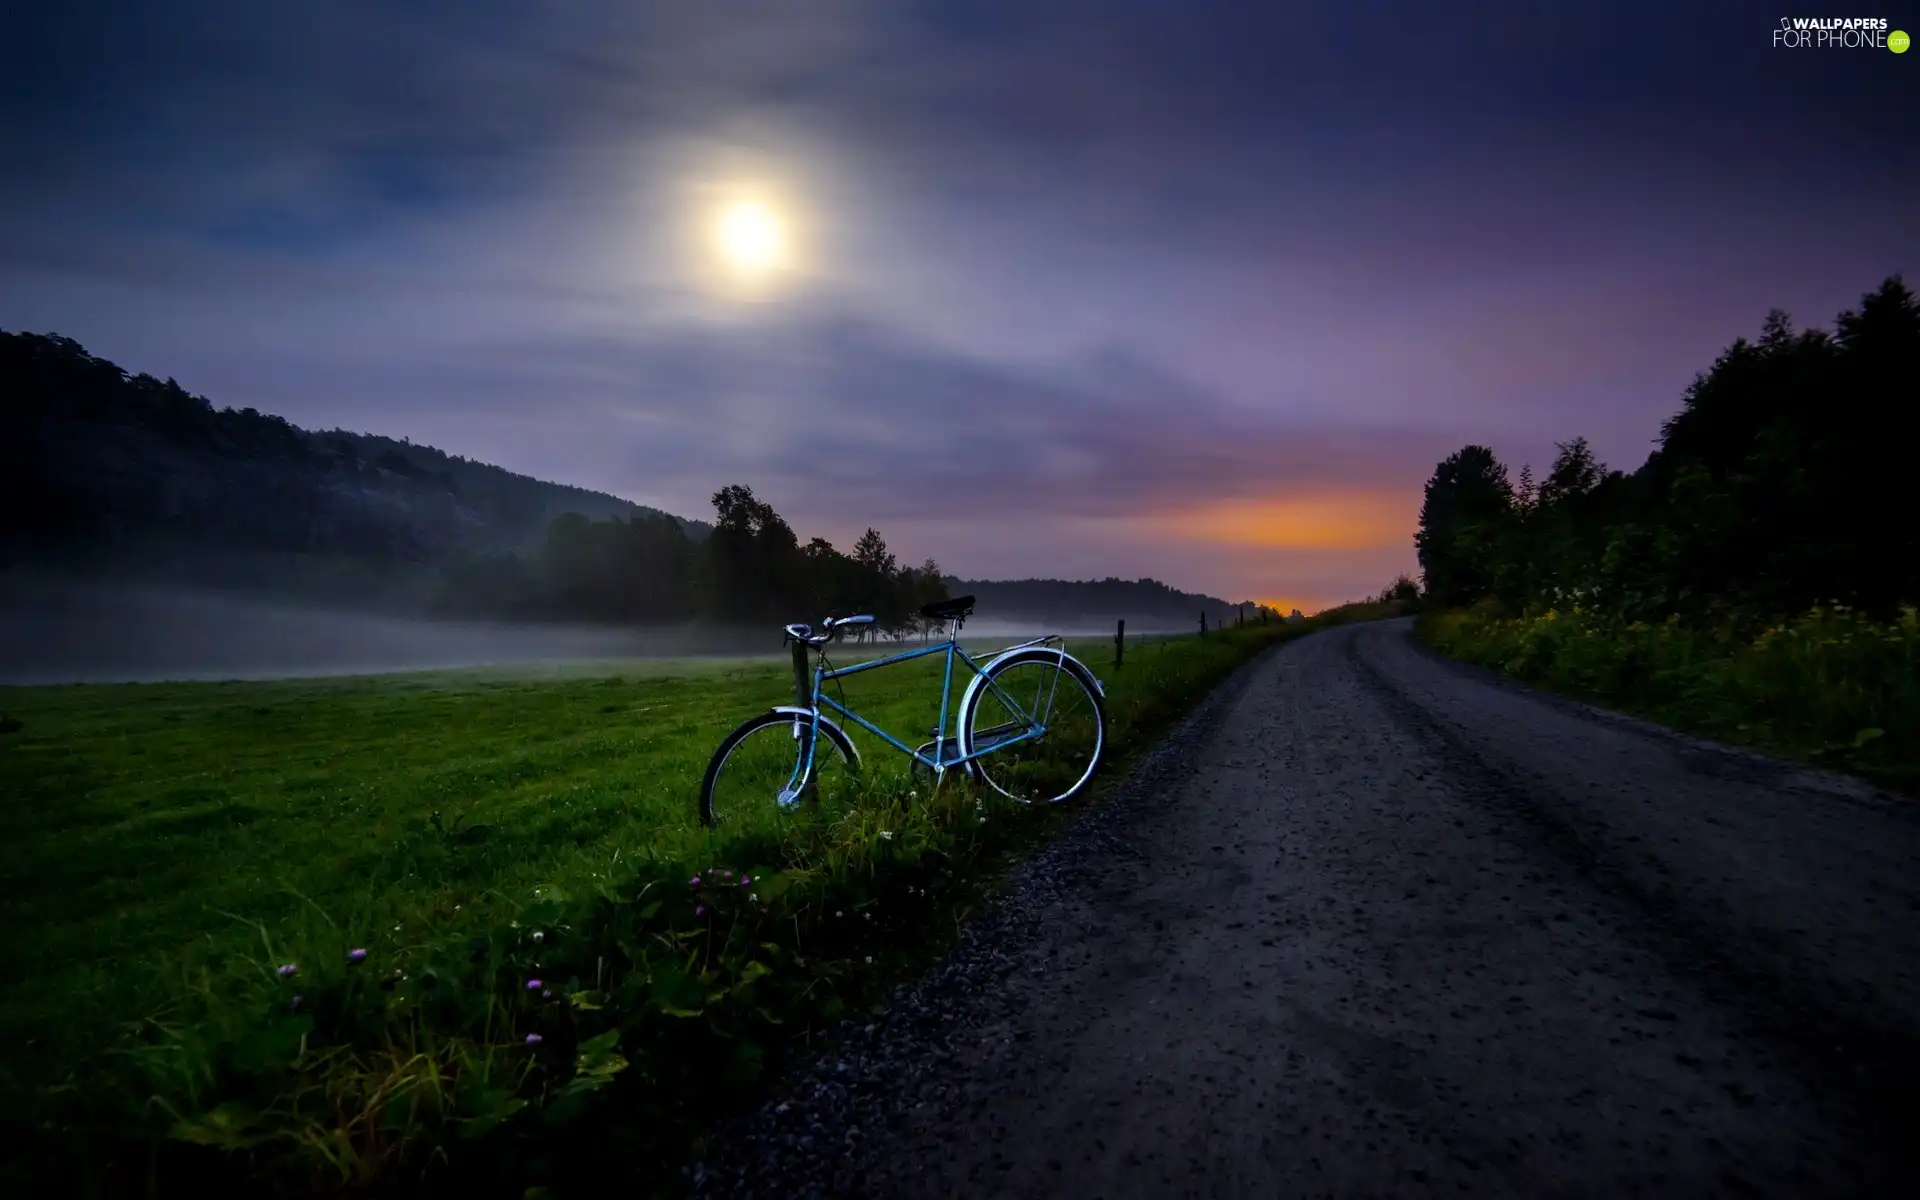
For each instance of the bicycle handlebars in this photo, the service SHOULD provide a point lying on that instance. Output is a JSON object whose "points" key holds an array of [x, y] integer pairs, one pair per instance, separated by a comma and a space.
{"points": [[800, 631]]}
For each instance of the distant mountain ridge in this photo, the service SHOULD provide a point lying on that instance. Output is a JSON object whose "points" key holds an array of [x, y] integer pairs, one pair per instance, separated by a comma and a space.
{"points": [[1143, 603]]}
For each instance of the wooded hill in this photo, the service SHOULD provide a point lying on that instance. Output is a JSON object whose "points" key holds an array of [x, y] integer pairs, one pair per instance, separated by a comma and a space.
{"points": [[105, 470]]}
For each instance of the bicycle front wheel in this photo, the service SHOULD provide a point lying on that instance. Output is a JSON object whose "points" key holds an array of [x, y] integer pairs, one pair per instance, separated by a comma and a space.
{"points": [[1039, 725], [760, 768]]}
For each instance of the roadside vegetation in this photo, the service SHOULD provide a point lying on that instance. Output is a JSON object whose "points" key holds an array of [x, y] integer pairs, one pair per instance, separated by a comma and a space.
{"points": [[1829, 687], [357, 934], [1753, 581]]}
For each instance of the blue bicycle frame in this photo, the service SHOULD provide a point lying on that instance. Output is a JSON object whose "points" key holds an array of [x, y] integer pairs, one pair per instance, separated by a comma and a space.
{"points": [[939, 761]]}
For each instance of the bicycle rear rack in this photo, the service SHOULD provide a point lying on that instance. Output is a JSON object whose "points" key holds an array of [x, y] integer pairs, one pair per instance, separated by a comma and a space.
{"points": [[1045, 640]]}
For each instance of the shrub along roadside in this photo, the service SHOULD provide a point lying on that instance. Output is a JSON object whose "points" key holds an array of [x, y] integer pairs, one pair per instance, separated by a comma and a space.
{"points": [[1828, 687], [599, 1029]]}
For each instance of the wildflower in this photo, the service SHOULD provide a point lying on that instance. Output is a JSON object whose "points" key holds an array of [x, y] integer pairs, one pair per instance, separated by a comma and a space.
{"points": [[295, 1006], [286, 970], [534, 1039], [538, 937], [869, 959], [700, 912], [356, 956], [694, 882], [753, 897], [983, 820], [533, 985], [886, 835], [546, 993], [745, 880]]}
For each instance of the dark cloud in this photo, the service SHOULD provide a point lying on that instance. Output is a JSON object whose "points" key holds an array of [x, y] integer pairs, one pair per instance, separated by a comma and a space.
{"points": [[852, 418]]}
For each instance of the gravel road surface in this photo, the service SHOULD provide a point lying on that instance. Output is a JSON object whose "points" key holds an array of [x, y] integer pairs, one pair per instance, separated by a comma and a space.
{"points": [[1375, 923]]}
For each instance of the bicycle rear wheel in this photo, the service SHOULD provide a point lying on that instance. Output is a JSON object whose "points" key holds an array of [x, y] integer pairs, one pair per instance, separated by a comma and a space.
{"points": [[1039, 725], [758, 770]]}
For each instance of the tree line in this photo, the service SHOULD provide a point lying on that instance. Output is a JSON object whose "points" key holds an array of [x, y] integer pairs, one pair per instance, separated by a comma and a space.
{"points": [[1776, 487], [751, 568]]}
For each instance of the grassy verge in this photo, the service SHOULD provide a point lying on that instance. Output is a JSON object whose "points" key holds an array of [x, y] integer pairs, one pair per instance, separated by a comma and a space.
{"points": [[1827, 687], [332, 934]]}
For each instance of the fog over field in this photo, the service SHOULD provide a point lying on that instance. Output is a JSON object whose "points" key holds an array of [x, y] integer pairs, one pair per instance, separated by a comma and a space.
{"points": [[66, 632]]}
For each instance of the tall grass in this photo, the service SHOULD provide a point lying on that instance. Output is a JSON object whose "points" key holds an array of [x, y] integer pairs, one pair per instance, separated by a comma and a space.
{"points": [[1828, 686], [330, 935]]}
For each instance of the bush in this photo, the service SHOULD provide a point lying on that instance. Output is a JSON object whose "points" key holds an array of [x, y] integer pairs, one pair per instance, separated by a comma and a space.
{"points": [[1829, 686]]}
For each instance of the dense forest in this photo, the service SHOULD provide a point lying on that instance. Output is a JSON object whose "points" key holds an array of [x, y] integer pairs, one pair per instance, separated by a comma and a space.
{"points": [[1776, 487], [751, 568]]}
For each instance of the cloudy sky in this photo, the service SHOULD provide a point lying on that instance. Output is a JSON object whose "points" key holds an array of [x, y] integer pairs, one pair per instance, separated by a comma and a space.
{"points": [[1198, 291]]}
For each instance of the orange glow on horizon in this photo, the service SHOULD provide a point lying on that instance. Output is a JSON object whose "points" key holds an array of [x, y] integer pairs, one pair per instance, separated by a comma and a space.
{"points": [[1343, 521]]}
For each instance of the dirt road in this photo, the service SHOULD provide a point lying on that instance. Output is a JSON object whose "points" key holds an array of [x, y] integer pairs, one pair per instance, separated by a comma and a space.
{"points": [[1400, 928]]}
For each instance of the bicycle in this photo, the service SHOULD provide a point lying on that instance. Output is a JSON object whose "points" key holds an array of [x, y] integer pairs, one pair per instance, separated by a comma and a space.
{"points": [[1046, 750]]}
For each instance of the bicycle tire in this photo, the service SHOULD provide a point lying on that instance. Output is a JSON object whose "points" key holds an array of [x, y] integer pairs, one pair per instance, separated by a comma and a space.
{"points": [[833, 736], [1068, 665]]}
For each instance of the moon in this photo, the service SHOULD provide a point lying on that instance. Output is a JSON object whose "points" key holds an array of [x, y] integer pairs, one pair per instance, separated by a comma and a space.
{"points": [[751, 238]]}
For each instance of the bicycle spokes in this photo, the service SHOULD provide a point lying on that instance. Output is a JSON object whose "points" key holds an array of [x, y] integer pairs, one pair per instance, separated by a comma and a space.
{"points": [[1039, 730]]}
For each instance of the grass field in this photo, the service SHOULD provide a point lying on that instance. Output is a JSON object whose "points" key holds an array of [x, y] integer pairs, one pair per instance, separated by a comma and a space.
{"points": [[167, 848]]}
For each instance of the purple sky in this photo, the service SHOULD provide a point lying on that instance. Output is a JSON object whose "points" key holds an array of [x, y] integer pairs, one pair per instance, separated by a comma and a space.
{"points": [[1178, 289]]}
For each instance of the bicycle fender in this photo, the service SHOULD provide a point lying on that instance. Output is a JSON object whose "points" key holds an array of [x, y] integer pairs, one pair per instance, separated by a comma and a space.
{"points": [[973, 686], [827, 726]]}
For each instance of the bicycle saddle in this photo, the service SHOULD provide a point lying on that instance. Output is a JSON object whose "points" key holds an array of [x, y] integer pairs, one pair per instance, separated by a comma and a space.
{"points": [[948, 610]]}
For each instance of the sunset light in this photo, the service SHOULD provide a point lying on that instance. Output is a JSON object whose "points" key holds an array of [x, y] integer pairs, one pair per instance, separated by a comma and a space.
{"points": [[1321, 522]]}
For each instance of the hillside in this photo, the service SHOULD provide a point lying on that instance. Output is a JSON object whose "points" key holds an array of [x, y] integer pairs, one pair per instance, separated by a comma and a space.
{"points": [[106, 470], [1145, 604]]}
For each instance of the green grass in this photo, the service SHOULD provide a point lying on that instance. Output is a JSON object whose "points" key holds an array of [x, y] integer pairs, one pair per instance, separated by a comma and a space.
{"points": [[1828, 687], [165, 847]]}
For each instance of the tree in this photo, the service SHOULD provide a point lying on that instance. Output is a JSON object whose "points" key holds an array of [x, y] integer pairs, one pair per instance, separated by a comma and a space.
{"points": [[1774, 487], [1467, 498], [753, 568]]}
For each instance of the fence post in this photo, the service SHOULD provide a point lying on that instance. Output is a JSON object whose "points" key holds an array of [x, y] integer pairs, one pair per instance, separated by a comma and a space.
{"points": [[1203, 622], [803, 696], [1120, 645]]}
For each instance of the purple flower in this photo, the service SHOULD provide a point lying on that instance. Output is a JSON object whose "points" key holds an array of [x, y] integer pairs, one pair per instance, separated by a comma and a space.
{"points": [[533, 985], [700, 912], [356, 956], [534, 1039], [745, 880], [694, 882], [286, 970]]}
